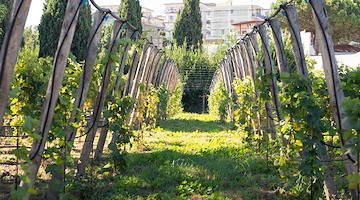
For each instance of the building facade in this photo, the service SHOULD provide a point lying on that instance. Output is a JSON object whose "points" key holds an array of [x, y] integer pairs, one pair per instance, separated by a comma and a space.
{"points": [[153, 26], [217, 19], [223, 16], [242, 28]]}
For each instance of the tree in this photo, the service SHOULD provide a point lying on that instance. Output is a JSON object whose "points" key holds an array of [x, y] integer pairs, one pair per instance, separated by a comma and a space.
{"points": [[188, 25], [82, 32], [344, 18], [5, 13], [131, 11], [50, 28]]}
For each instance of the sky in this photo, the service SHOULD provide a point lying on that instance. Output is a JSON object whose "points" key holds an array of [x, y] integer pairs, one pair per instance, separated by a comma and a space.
{"points": [[156, 5]]}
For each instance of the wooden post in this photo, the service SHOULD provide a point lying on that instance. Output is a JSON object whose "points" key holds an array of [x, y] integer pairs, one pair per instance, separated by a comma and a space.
{"points": [[131, 73], [279, 46], [104, 130], [55, 83], [239, 61], [157, 78], [143, 78], [124, 56], [137, 75], [246, 63], [270, 70], [10, 49], [156, 69], [293, 25], [333, 82], [164, 72], [101, 142], [53, 192], [135, 90], [250, 51], [99, 103], [268, 107], [88, 69]]}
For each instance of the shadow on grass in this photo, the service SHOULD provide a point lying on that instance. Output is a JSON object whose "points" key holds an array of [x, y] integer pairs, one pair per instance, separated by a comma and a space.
{"points": [[226, 172], [191, 125]]}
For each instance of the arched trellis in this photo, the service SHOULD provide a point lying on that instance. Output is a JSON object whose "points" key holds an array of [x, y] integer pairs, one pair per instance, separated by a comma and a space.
{"points": [[149, 66], [242, 56]]}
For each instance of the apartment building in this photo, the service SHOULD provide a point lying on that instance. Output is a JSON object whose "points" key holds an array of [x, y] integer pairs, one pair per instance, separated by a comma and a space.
{"points": [[223, 16], [154, 26], [217, 19]]}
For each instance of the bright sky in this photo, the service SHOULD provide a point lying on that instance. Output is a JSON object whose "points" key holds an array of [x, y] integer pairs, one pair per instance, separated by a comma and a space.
{"points": [[157, 5]]}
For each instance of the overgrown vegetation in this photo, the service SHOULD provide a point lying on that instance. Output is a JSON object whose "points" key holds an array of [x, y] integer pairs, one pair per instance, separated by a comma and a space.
{"points": [[25, 107], [298, 151]]}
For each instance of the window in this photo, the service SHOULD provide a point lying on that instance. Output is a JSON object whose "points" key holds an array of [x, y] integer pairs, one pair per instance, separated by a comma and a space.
{"points": [[222, 32], [171, 19]]}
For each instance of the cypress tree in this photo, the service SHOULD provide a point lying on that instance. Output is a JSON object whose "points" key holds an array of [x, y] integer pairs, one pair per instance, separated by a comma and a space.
{"points": [[82, 32], [131, 11], [50, 28], [5, 14], [188, 25]]}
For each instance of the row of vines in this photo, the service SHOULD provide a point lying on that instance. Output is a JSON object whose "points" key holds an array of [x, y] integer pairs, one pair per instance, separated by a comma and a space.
{"points": [[61, 105], [305, 121]]}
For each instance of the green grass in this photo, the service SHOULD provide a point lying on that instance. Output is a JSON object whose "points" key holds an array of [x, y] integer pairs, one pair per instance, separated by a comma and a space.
{"points": [[191, 156]]}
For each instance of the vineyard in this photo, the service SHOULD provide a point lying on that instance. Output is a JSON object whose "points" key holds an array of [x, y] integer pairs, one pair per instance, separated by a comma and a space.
{"points": [[112, 126]]}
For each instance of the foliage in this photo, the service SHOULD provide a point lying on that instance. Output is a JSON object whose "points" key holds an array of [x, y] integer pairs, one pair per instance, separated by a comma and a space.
{"points": [[219, 101], [174, 105], [5, 12], [307, 123], [343, 15], [224, 44], [131, 11], [50, 28], [350, 81], [188, 25], [245, 106], [105, 37], [117, 112], [193, 64], [163, 97], [196, 70]]}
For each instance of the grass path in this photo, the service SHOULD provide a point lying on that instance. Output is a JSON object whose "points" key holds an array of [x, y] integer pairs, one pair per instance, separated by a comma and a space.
{"points": [[191, 157]]}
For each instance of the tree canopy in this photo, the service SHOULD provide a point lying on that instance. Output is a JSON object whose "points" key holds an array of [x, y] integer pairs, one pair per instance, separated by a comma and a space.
{"points": [[344, 18], [50, 27], [131, 11], [188, 25], [5, 13]]}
